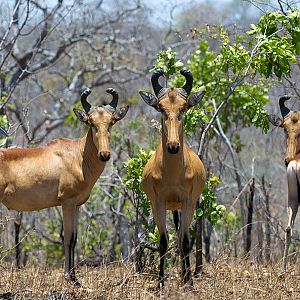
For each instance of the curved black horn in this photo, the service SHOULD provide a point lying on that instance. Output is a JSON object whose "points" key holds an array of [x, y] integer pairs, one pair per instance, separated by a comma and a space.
{"points": [[114, 101], [189, 80], [283, 109], [86, 106], [154, 80]]}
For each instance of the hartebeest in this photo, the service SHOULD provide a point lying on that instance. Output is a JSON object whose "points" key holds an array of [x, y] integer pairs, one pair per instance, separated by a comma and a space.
{"points": [[63, 172], [290, 122], [174, 177]]}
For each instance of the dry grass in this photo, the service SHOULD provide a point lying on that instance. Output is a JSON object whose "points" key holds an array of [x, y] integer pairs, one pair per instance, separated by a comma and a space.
{"points": [[221, 280]]}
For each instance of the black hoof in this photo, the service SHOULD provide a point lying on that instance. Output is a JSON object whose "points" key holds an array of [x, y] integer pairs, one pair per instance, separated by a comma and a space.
{"points": [[188, 287], [188, 282], [73, 280], [281, 274], [187, 279]]}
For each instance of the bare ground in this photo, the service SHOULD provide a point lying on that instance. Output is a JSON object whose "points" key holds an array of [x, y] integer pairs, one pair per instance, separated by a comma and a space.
{"points": [[221, 280]]}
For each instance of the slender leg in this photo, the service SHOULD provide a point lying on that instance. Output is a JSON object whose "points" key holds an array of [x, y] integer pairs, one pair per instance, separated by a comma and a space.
{"points": [[70, 215], [163, 247], [293, 203], [18, 248], [185, 258], [292, 212], [159, 215], [176, 219], [184, 242]]}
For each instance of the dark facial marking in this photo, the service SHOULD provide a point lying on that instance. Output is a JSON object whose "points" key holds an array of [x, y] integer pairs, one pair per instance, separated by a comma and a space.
{"points": [[173, 149]]}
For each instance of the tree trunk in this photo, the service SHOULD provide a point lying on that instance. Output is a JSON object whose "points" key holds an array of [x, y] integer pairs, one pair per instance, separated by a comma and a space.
{"points": [[117, 229], [268, 232], [207, 239], [250, 217], [236, 163], [125, 239], [260, 236], [137, 248], [266, 192], [198, 233], [18, 248]]}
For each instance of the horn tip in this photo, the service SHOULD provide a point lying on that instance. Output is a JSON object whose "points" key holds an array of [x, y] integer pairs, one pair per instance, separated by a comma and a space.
{"points": [[111, 91], [284, 98], [86, 92], [185, 72], [159, 72]]}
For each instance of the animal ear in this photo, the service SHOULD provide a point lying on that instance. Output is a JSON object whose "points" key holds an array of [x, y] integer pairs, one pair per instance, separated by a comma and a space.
{"points": [[82, 116], [120, 113], [193, 100], [149, 99], [275, 120]]}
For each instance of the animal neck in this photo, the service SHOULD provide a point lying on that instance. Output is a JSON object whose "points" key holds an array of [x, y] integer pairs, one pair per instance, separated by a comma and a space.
{"points": [[92, 166], [172, 161]]}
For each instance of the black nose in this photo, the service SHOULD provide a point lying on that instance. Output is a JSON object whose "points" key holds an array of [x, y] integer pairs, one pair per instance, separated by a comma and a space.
{"points": [[173, 149], [104, 155]]}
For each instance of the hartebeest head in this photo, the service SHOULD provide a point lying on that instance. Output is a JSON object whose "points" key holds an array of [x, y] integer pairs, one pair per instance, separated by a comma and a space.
{"points": [[172, 103], [101, 118], [290, 122]]}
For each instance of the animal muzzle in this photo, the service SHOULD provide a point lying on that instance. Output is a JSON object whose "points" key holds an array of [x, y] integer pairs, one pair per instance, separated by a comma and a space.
{"points": [[173, 147], [104, 155]]}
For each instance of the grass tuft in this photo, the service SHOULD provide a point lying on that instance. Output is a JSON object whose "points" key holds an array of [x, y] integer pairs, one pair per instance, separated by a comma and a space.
{"points": [[221, 280]]}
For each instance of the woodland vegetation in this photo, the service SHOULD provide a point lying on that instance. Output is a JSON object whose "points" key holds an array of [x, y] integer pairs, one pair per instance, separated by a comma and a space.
{"points": [[245, 54]]}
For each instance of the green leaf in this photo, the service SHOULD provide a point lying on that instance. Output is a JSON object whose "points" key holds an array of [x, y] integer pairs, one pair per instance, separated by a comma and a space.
{"points": [[178, 64], [166, 60], [199, 212]]}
